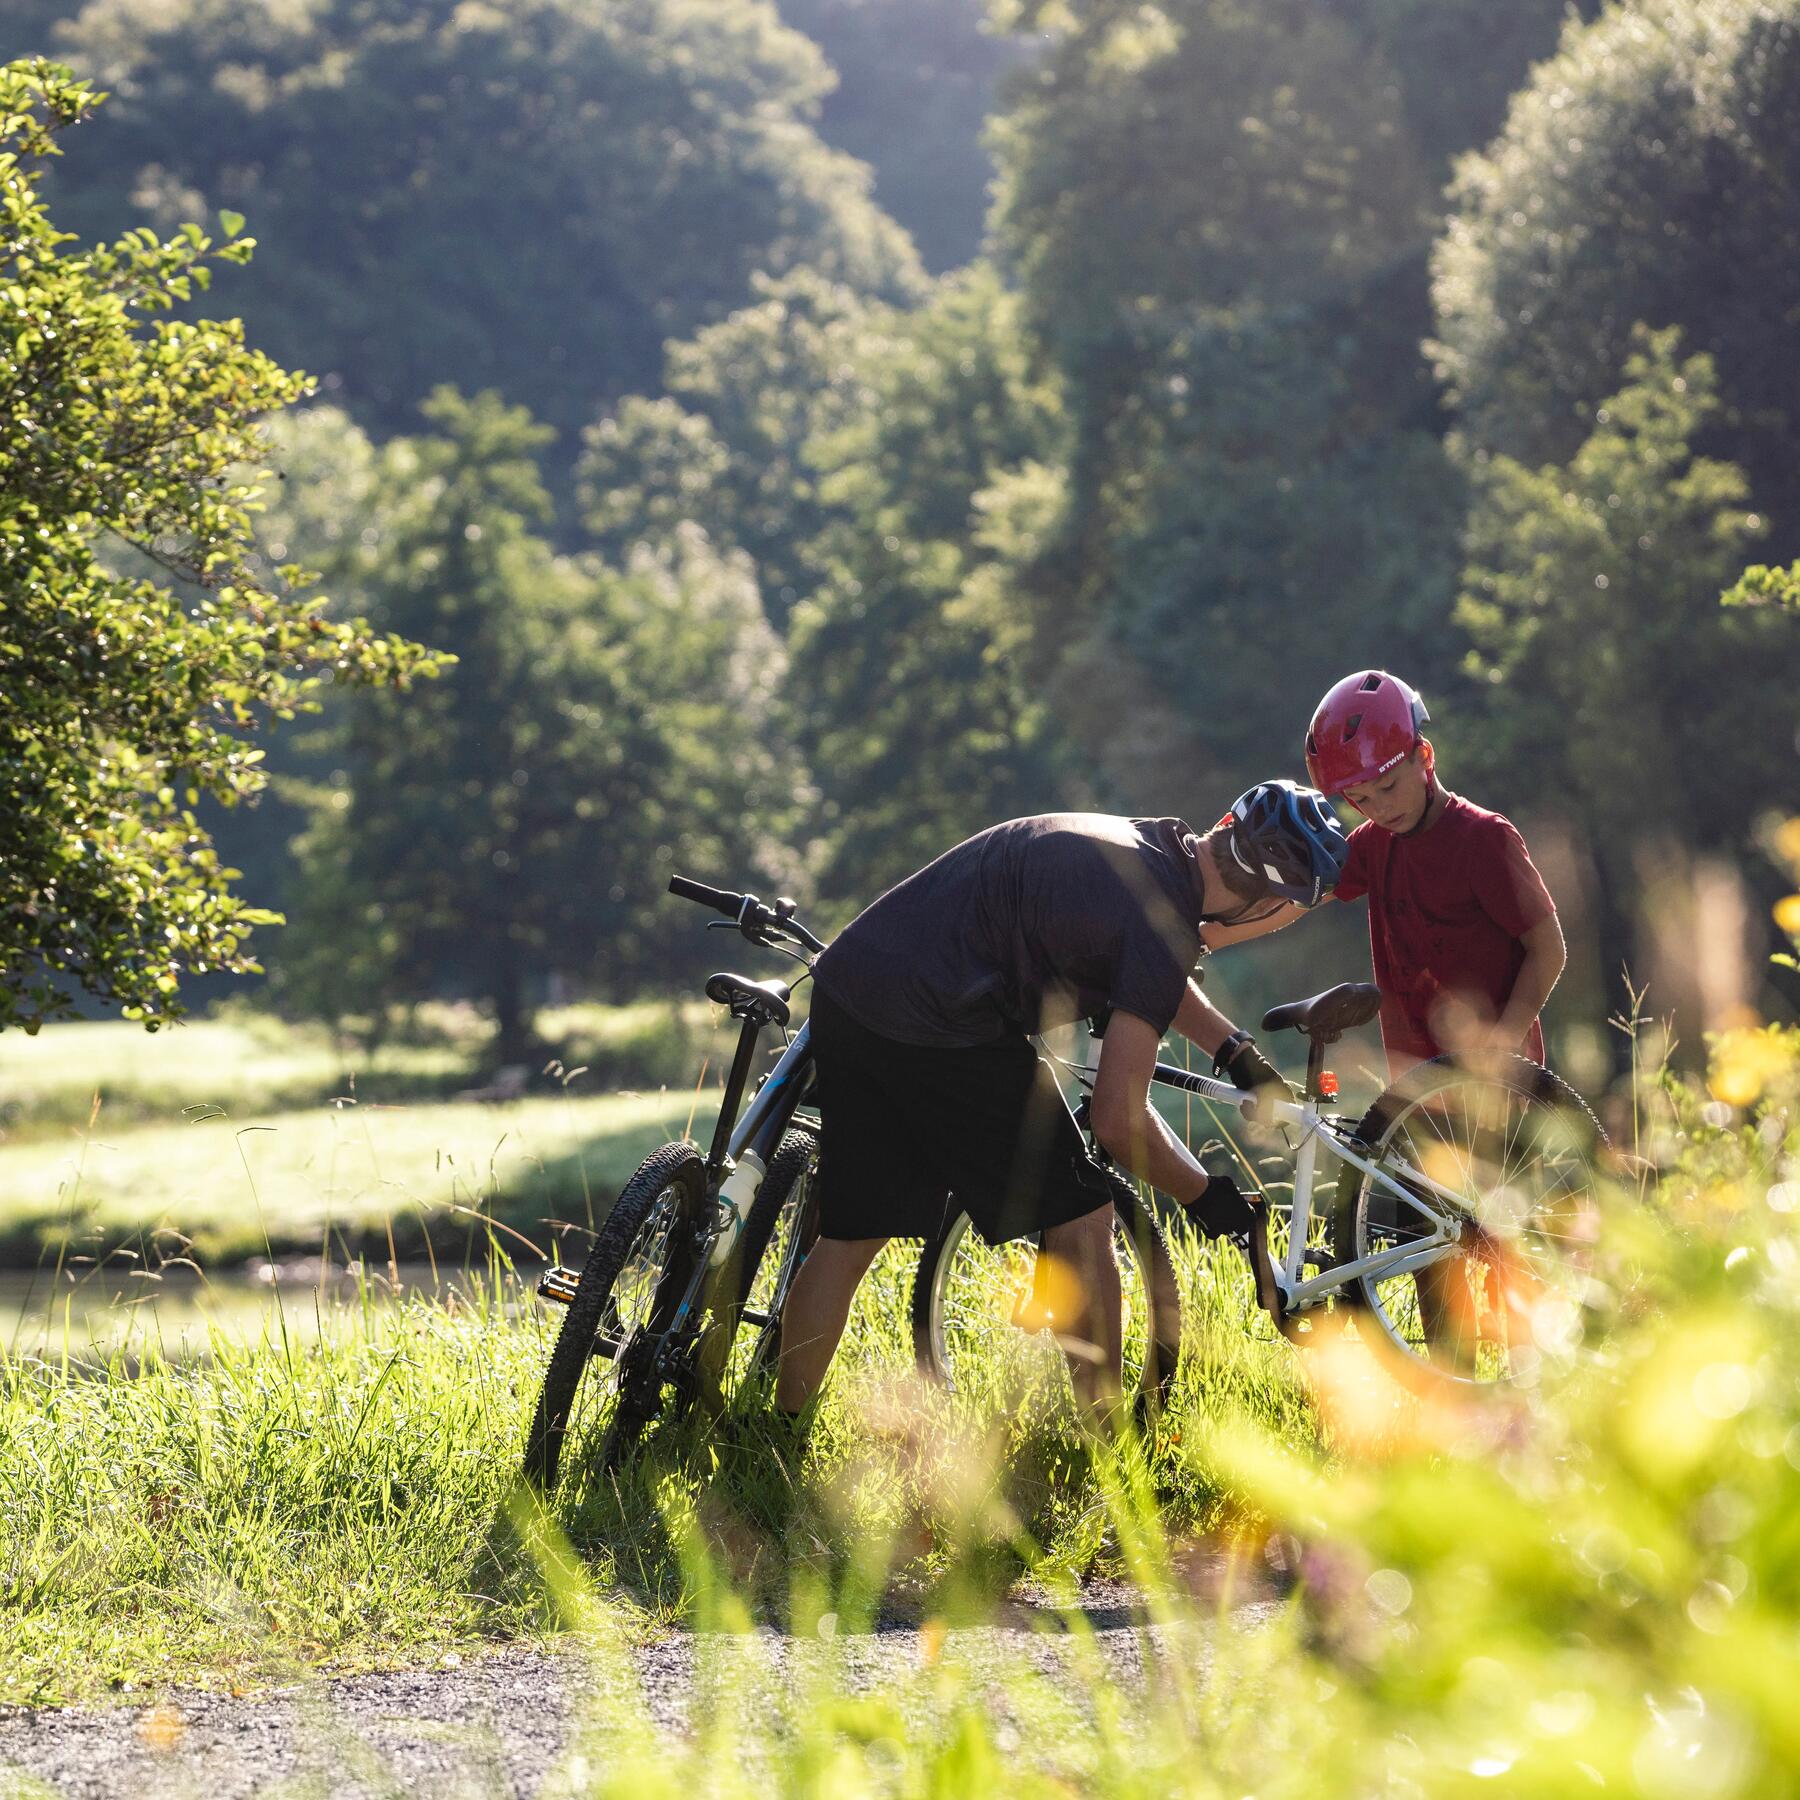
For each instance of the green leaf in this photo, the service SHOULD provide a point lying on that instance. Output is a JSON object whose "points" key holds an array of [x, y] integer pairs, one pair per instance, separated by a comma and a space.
{"points": [[232, 222]]}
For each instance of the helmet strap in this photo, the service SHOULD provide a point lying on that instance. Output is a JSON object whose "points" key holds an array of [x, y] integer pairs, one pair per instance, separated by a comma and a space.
{"points": [[1237, 914], [1432, 791]]}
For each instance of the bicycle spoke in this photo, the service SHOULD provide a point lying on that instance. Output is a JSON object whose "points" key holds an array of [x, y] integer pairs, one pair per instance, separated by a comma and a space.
{"points": [[987, 1326], [1510, 1293], [627, 1313]]}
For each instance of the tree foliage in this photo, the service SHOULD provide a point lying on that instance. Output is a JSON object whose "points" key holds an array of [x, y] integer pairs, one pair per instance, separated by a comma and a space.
{"points": [[1618, 691], [916, 80], [1647, 172], [601, 729], [725, 446], [1253, 475], [1455, 63], [142, 642], [911, 686], [525, 194]]}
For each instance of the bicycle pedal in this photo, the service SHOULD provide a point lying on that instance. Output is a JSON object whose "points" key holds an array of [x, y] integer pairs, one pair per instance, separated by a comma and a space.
{"points": [[1269, 1294], [558, 1284]]}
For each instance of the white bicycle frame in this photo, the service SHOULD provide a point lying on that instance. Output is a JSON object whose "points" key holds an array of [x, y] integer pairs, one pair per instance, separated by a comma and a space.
{"points": [[1316, 1128]]}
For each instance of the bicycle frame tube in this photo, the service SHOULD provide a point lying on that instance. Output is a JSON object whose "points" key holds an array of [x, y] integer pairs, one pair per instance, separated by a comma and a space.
{"points": [[766, 1117], [759, 1129], [1314, 1128], [1417, 1253]]}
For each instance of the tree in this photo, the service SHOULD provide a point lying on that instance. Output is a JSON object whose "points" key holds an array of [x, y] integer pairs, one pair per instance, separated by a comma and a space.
{"points": [[1646, 172], [1215, 224], [1617, 690], [526, 194], [725, 447], [1456, 63], [128, 440], [601, 729], [910, 689], [916, 81]]}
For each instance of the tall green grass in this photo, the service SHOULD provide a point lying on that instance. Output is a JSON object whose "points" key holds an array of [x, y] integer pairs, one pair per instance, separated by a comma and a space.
{"points": [[1589, 1586]]}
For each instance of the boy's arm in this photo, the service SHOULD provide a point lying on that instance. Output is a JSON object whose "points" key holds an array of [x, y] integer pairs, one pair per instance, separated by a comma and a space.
{"points": [[1545, 956], [1514, 896]]}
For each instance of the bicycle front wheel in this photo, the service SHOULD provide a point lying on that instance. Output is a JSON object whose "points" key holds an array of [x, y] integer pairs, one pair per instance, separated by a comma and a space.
{"points": [[974, 1308], [610, 1328], [1498, 1166]]}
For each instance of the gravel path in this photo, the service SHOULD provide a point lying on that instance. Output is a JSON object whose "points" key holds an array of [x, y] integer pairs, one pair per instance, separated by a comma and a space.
{"points": [[497, 1725]]}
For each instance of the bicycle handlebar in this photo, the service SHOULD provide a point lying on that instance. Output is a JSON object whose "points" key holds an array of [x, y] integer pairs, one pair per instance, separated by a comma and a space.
{"points": [[716, 898], [755, 919]]}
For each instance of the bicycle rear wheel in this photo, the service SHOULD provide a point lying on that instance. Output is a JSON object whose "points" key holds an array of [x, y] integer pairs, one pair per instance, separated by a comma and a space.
{"points": [[968, 1294], [776, 1236], [592, 1396], [1510, 1154]]}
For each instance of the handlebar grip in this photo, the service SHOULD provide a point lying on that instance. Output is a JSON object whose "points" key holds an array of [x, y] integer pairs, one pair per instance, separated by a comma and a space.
{"points": [[716, 898]]}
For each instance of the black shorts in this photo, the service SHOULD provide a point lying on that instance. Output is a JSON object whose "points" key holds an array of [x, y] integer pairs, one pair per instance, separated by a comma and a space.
{"points": [[915, 1135]]}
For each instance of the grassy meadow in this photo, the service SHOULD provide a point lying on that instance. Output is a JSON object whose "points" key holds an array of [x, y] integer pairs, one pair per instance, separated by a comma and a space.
{"points": [[239, 1138], [1590, 1584]]}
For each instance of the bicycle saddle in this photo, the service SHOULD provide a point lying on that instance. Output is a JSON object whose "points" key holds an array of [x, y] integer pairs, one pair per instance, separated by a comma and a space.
{"points": [[1330, 1014], [768, 1000]]}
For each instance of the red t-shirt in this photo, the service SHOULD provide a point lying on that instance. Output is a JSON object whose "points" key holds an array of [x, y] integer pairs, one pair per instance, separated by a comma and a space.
{"points": [[1446, 912]]}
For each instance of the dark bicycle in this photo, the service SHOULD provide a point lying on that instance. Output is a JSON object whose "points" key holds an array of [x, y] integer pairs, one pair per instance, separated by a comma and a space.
{"points": [[682, 1264]]}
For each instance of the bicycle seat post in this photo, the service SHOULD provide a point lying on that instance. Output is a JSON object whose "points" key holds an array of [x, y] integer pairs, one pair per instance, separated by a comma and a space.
{"points": [[1317, 1043], [735, 1083]]}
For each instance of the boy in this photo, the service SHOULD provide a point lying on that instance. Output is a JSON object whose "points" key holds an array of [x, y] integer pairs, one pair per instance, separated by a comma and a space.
{"points": [[1463, 933]]}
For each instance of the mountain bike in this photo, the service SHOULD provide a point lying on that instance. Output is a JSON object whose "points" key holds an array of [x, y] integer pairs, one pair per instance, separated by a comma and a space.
{"points": [[680, 1297], [1457, 1233]]}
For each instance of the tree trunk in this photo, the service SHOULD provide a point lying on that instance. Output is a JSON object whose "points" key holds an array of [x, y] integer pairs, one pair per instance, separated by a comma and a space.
{"points": [[512, 1018]]}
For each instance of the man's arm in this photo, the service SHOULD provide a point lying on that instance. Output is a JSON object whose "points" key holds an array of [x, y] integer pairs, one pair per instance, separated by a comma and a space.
{"points": [[1545, 957], [1200, 1022], [1133, 1131]]}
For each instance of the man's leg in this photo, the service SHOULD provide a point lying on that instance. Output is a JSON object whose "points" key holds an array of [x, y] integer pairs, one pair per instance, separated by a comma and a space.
{"points": [[1085, 1245], [812, 1321]]}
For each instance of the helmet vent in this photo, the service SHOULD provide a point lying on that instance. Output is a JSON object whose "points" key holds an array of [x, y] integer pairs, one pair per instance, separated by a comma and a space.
{"points": [[1369, 683], [1312, 744], [1351, 729]]}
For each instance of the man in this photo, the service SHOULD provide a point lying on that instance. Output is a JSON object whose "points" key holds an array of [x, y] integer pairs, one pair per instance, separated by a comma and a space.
{"points": [[929, 1086], [1463, 934]]}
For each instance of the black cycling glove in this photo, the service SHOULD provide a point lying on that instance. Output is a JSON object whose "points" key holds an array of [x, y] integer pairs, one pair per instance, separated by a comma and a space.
{"points": [[1223, 1208], [1245, 1066]]}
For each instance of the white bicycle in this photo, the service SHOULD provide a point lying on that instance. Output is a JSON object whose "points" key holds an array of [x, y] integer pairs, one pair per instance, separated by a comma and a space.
{"points": [[1458, 1223]]}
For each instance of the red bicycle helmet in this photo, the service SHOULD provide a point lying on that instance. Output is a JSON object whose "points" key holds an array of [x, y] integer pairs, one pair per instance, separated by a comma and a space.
{"points": [[1365, 725]]}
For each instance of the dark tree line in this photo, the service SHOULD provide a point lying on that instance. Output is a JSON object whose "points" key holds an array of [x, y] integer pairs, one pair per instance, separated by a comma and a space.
{"points": [[1302, 336]]}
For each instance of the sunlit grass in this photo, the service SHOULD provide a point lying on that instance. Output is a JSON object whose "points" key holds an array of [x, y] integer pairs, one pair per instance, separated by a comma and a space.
{"points": [[231, 1185], [1589, 1585], [246, 1065], [251, 1063]]}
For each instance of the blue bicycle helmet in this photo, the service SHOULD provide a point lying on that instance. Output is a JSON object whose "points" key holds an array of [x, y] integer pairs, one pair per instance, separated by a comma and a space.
{"points": [[1287, 839]]}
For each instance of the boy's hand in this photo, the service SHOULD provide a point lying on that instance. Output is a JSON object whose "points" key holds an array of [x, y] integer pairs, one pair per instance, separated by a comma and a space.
{"points": [[1245, 1066]]}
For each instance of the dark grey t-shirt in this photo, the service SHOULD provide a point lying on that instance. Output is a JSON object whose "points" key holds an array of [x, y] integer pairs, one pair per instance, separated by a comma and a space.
{"points": [[1025, 926]]}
